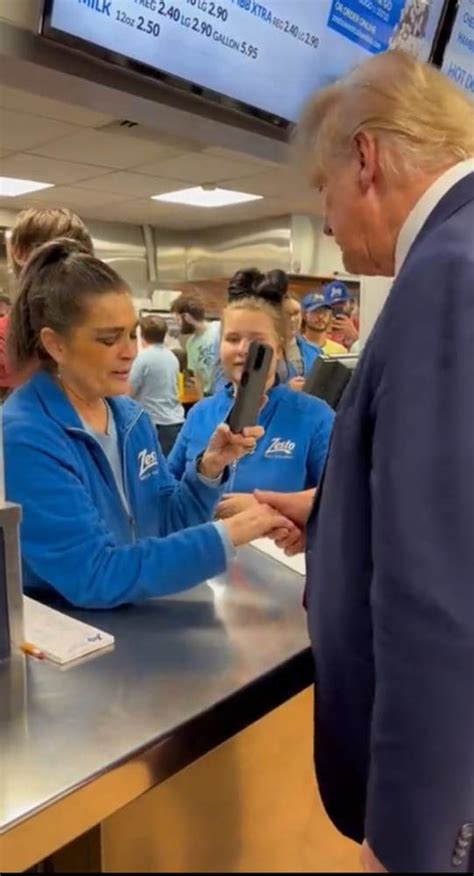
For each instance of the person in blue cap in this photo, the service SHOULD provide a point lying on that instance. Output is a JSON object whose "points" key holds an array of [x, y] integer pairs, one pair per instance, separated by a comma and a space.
{"points": [[318, 319], [337, 297]]}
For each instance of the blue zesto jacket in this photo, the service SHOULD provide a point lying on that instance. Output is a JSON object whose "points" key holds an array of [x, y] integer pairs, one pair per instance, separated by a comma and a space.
{"points": [[76, 535], [289, 457], [308, 352]]}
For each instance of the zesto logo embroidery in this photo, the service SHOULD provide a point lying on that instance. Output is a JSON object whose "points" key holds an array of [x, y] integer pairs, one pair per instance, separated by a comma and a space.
{"points": [[279, 447], [147, 460]]}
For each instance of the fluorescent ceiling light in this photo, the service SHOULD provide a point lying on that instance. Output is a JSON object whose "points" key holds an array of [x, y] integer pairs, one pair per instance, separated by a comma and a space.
{"points": [[11, 187], [202, 196]]}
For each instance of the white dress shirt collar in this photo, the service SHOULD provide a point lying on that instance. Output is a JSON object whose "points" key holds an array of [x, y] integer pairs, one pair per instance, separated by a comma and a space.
{"points": [[425, 206]]}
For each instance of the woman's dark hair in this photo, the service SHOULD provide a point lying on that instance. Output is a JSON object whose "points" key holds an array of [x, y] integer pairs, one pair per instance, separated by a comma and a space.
{"points": [[251, 283], [54, 286]]}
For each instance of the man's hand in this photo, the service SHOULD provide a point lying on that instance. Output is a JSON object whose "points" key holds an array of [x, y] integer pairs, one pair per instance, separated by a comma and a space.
{"points": [[257, 522], [343, 323], [225, 448], [370, 863], [233, 503], [295, 506], [291, 543]]}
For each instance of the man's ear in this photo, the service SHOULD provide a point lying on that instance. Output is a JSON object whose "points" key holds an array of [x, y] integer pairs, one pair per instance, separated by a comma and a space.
{"points": [[16, 257], [366, 152]]}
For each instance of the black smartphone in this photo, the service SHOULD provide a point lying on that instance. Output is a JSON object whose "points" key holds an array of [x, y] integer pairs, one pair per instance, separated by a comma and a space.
{"points": [[251, 390]]}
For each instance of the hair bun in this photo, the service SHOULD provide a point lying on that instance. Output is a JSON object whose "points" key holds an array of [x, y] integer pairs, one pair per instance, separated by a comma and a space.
{"points": [[271, 287], [244, 283]]}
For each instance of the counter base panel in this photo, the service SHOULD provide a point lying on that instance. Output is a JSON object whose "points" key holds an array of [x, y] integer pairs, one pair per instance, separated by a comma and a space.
{"points": [[249, 805]]}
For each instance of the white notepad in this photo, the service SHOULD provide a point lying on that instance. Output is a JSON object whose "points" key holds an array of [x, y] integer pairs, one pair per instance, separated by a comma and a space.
{"points": [[267, 546], [59, 637]]}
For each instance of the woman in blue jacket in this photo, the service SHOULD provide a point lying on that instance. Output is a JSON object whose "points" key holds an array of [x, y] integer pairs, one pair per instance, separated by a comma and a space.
{"points": [[299, 353], [292, 454], [103, 520]]}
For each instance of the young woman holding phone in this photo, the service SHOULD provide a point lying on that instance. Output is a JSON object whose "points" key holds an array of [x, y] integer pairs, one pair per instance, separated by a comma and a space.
{"points": [[297, 427]]}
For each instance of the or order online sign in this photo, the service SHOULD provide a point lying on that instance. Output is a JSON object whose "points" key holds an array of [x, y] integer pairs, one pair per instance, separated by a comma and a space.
{"points": [[377, 25], [458, 63], [369, 23]]}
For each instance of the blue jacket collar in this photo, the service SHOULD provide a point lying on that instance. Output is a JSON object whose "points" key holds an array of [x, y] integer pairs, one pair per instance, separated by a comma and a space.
{"points": [[125, 411], [303, 344]]}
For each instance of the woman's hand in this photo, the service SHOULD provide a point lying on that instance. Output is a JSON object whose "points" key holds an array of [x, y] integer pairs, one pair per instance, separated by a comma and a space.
{"points": [[257, 521], [225, 448], [233, 503], [296, 383]]}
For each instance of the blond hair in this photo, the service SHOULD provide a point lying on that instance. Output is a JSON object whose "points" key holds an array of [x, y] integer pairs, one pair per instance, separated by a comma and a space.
{"points": [[260, 305], [36, 226], [421, 120]]}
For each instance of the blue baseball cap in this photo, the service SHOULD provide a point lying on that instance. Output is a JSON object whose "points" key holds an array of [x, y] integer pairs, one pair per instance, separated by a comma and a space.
{"points": [[313, 301], [335, 292]]}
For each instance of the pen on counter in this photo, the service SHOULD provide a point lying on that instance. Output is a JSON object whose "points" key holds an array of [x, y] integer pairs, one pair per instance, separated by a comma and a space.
{"points": [[32, 650]]}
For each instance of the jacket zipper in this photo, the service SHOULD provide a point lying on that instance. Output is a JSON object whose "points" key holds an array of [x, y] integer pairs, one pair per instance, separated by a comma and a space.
{"points": [[130, 518]]}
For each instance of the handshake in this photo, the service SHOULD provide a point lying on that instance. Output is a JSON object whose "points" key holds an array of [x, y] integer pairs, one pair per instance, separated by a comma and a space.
{"points": [[247, 516], [279, 516]]}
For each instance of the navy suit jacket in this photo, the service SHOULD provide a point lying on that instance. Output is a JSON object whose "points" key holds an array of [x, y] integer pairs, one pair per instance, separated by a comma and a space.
{"points": [[391, 567]]}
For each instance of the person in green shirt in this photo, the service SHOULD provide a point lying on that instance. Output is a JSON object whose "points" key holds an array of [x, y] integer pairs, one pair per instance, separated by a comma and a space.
{"points": [[202, 341]]}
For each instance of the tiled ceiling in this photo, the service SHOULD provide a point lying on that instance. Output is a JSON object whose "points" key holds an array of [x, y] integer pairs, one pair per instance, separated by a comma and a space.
{"points": [[107, 175]]}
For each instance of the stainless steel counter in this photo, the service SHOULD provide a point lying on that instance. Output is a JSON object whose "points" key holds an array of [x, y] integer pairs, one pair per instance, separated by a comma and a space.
{"points": [[186, 673]]}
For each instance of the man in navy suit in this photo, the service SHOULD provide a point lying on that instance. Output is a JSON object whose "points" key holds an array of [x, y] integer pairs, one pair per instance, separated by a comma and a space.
{"points": [[390, 539]]}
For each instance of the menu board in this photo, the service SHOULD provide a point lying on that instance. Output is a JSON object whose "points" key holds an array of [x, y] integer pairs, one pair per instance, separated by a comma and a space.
{"points": [[270, 55]]}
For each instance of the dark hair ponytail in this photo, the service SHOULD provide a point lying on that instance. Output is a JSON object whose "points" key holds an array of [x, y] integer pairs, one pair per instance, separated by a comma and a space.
{"points": [[52, 289]]}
